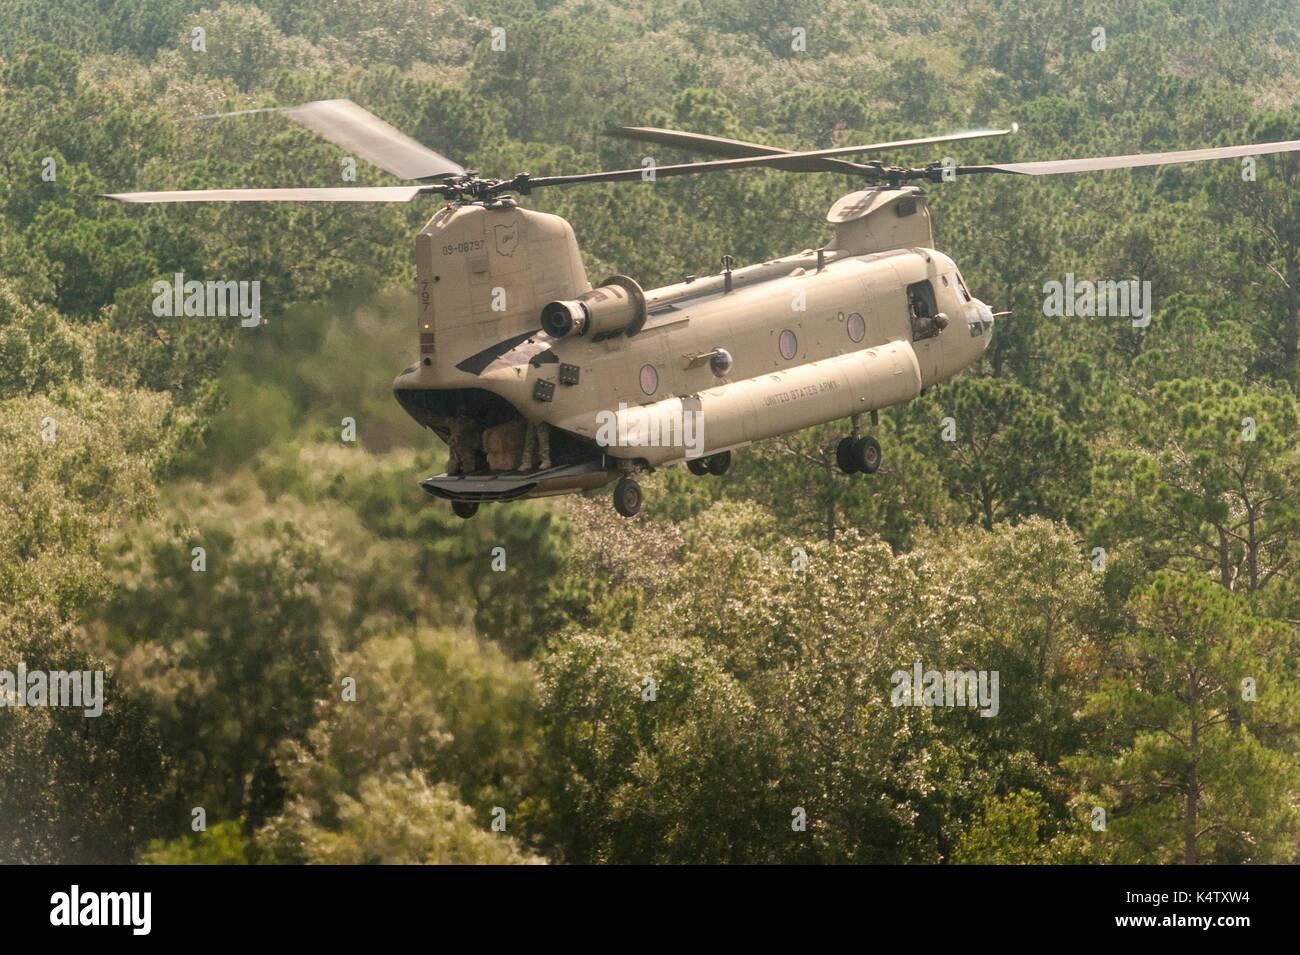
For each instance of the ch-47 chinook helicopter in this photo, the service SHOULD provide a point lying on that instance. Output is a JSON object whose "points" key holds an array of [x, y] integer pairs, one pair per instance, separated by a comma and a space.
{"points": [[541, 384]]}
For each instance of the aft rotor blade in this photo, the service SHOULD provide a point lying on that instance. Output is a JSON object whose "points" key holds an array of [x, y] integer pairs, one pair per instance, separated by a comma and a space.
{"points": [[1054, 167], [686, 169], [735, 148], [358, 130], [329, 194]]}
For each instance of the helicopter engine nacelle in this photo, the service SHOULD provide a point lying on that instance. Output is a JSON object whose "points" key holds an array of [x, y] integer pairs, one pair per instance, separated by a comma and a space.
{"points": [[616, 306], [881, 219]]}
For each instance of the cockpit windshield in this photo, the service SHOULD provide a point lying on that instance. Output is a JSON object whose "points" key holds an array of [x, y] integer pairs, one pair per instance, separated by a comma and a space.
{"points": [[961, 287]]}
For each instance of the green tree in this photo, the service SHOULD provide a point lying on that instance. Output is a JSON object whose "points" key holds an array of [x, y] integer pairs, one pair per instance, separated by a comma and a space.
{"points": [[1209, 478], [1008, 831], [400, 820], [1269, 212], [232, 654], [1012, 455], [221, 844], [421, 738], [73, 788], [1200, 769]]}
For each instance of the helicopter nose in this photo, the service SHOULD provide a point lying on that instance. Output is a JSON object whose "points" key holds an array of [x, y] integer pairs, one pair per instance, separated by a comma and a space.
{"points": [[985, 316]]}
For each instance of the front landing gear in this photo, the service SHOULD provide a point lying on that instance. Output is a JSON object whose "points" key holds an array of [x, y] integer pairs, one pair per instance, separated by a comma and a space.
{"points": [[627, 497], [859, 453]]}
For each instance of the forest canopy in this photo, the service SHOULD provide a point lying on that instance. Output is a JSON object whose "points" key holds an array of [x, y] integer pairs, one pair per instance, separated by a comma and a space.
{"points": [[306, 659]]}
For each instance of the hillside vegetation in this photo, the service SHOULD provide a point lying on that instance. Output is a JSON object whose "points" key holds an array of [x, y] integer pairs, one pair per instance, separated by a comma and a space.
{"points": [[348, 679]]}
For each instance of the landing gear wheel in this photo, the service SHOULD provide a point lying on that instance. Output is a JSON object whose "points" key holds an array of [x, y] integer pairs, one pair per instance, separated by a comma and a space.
{"points": [[698, 466], [866, 454], [718, 463], [627, 497], [465, 509], [844, 456]]}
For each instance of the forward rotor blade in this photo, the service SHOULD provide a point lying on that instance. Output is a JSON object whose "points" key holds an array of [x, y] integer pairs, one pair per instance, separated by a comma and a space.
{"points": [[1054, 167], [687, 169], [737, 148], [329, 194], [734, 148], [358, 130]]}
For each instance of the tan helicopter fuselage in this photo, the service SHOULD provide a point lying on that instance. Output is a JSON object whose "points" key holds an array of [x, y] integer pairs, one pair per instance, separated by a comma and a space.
{"points": [[746, 354]]}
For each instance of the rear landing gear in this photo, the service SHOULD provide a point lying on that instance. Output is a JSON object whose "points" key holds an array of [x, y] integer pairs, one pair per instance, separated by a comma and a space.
{"points": [[465, 509], [715, 464], [627, 497]]}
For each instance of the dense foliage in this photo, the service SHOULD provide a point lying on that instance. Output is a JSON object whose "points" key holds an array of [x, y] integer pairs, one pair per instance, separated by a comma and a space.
{"points": [[300, 644]]}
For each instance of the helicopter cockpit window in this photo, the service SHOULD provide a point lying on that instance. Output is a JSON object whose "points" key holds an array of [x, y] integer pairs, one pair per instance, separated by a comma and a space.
{"points": [[923, 311], [961, 287]]}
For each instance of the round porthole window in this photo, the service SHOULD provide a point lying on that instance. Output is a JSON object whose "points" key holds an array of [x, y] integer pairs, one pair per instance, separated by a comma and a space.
{"points": [[649, 379], [857, 327], [788, 344]]}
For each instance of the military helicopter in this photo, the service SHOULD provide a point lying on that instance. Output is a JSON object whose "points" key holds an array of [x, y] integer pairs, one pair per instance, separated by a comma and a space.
{"points": [[542, 384]]}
